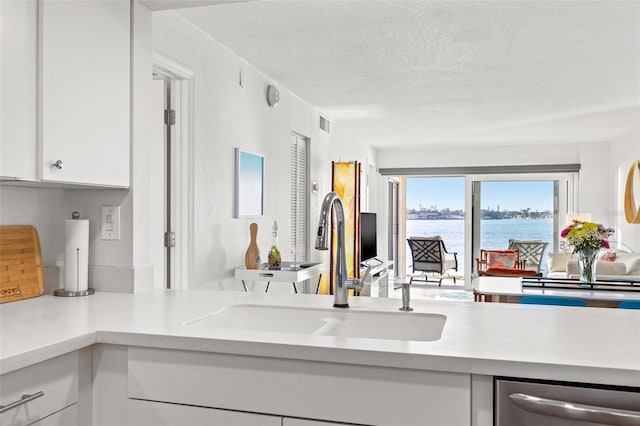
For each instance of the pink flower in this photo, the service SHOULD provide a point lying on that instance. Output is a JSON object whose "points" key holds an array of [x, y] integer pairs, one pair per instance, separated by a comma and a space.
{"points": [[605, 243], [564, 232]]}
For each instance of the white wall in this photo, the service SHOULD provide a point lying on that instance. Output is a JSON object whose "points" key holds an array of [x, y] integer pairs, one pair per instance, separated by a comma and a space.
{"points": [[624, 150], [229, 116], [601, 179], [46, 210], [43, 208], [501, 155]]}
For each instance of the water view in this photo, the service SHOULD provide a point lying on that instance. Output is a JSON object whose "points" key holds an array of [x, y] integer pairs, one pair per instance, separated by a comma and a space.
{"points": [[495, 234]]}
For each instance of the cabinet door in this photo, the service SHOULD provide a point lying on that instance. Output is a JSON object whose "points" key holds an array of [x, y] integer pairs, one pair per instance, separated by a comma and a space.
{"points": [[18, 66], [300, 389], [85, 73], [66, 417], [154, 413], [52, 383]]}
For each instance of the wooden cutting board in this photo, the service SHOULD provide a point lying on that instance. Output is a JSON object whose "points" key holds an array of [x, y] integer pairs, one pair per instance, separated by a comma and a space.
{"points": [[21, 269]]}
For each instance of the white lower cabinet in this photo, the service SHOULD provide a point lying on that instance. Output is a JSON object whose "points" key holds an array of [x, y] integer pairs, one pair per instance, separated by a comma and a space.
{"points": [[51, 387], [153, 413], [293, 390], [66, 417]]}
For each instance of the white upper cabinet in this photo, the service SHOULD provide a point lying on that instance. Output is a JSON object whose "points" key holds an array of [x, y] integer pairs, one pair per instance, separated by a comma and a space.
{"points": [[18, 82], [84, 92]]}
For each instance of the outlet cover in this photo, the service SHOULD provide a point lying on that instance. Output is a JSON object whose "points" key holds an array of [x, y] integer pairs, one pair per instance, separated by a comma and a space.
{"points": [[110, 222]]}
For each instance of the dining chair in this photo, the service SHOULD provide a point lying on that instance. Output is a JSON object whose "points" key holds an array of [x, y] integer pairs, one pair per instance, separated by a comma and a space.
{"points": [[429, 254], [552, 300], [531, 251], [502, 263]]}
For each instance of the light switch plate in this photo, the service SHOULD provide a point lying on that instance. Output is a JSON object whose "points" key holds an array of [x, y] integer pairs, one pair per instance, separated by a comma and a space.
{"points": [[110, 222]]}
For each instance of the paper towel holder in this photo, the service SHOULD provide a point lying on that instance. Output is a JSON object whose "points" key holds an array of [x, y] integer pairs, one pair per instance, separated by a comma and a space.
{"points": [[61, 292], [64, 293]]}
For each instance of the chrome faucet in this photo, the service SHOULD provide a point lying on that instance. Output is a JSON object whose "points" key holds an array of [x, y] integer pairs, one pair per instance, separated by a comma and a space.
{"points": [[343, 283]]}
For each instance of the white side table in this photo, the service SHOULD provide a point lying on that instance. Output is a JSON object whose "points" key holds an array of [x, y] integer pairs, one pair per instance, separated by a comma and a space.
{"points": [[288, 272]]}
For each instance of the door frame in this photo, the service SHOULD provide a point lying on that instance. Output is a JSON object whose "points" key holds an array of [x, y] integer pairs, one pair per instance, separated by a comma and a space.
{"points": [[182, 173], [393, 225]]}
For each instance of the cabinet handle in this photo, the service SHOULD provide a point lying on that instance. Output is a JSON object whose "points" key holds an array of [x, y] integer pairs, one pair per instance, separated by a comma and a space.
{"points": [[573, 411], [25, 398], [58, 164]]}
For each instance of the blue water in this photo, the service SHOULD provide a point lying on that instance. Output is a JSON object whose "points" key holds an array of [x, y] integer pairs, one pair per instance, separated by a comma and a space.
{"points": [[494, 234]]}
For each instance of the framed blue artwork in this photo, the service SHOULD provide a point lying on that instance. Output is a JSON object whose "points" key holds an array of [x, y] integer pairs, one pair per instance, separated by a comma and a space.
{"points": [[249, 184]]}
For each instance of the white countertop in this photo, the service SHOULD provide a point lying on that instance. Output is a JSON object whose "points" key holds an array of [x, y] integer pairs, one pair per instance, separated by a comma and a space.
{"points": [[591, 345]]}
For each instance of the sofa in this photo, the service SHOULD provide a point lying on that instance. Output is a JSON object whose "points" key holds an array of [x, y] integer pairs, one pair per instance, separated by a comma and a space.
{"points": [[612, 264]]}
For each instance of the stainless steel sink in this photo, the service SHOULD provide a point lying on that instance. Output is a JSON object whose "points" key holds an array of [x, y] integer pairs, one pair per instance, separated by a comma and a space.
{"points": [[326, 322]]}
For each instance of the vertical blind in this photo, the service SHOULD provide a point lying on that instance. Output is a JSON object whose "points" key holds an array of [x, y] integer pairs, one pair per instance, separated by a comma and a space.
{"points": [[298, 163]]}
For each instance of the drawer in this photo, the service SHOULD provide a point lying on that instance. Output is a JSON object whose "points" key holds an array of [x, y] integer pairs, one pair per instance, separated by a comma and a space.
{"points": [[307, 389], [56, 378], [149, 413], [66, 417]]}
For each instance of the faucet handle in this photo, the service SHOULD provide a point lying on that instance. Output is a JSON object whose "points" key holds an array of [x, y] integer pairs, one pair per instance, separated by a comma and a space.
{"points": [[354, 284], [358, 284]]}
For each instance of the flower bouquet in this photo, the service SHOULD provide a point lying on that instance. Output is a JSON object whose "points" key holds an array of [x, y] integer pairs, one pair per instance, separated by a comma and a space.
{"points": [[586, 239]]}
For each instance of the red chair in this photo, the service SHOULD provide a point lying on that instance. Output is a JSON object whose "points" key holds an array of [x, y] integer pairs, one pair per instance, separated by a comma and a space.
{"points": [[502, 263]]}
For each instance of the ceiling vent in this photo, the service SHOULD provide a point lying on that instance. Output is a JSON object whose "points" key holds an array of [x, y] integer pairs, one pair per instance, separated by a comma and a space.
{"points": [[324, 124]]}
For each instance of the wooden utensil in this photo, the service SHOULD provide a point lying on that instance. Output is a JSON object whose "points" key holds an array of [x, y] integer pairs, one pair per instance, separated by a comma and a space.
{"points": [[21, 269]]}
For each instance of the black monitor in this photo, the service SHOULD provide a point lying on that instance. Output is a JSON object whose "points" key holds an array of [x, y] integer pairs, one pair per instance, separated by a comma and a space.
{"points": [[368, 238]]}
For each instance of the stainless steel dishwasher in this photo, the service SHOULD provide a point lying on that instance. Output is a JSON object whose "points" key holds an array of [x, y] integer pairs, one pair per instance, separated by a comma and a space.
{"points": [[536, 403]]}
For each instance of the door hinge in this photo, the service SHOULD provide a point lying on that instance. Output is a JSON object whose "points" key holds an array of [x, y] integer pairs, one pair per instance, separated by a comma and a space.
{"points": [[169, 116], [169, 239]]}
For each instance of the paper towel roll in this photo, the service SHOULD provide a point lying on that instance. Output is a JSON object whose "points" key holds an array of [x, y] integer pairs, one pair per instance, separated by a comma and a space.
{"points": [[76, 255]]}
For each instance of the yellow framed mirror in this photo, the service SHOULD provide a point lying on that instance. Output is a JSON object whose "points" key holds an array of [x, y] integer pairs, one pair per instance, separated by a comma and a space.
{"points": [[632, 194]]}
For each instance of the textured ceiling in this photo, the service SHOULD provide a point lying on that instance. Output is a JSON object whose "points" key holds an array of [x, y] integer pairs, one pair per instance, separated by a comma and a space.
{"points": [[414, 73]]}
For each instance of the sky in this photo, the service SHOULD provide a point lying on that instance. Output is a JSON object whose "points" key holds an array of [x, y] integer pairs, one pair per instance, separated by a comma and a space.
{"points": [[507, 195]]}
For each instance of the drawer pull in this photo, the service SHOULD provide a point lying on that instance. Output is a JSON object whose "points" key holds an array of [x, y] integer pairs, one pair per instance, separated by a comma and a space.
{"points": [[25, 398]]}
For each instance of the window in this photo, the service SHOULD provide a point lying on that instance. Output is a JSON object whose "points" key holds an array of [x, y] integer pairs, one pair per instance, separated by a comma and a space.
{"points": [[299, 197], [515, 209], [435, 207], [560, 182]]}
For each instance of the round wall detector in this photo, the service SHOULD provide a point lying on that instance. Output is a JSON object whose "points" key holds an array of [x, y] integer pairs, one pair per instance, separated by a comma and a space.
{"points": [[273, 96]]}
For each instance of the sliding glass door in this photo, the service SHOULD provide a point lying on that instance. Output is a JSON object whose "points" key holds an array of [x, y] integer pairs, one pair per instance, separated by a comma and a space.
{"points": [[484, 211], [435, 207], [515, 209]]}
